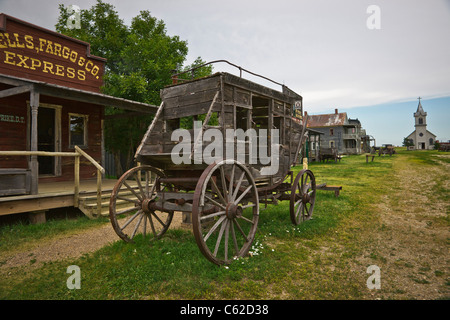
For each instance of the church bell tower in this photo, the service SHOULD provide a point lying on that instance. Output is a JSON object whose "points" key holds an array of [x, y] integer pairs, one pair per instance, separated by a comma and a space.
{"points": [[420, 117]]}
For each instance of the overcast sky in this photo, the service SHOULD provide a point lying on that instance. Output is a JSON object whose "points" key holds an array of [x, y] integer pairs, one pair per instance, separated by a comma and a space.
{"points": [[322, 49]]}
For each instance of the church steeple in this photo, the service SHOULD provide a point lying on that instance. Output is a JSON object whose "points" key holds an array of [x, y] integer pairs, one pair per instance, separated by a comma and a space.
{"points": [[420, 111], [420, 115]]}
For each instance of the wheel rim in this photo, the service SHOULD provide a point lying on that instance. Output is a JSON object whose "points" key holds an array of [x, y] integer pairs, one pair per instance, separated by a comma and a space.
{"points": [[130, 210], [303, 196], [225, 211]]}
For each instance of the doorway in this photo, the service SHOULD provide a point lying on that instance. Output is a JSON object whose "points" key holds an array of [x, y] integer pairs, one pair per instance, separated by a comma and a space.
{"points": [[46, 140], [49, 138]]}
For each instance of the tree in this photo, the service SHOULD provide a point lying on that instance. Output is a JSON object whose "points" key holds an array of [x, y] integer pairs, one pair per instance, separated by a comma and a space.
{"points": [[407, 142], [140, 61]]}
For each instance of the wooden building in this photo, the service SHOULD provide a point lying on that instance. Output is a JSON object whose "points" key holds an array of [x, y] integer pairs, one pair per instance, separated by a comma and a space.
{"points": [[51, 115], [339, 131]]}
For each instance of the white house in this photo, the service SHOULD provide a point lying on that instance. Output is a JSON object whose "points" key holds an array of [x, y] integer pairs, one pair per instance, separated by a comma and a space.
{"points": [[421, 137]]}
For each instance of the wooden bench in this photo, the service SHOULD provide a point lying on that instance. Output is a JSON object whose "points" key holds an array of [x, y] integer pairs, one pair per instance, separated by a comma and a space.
{"points": [[324, 186]]}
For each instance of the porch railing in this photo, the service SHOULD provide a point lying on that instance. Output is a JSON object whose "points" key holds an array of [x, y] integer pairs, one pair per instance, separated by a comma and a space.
{"points": [[77, 154]]}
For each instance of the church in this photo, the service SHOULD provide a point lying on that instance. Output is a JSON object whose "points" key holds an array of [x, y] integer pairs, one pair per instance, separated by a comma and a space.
{"points": [[421, 138]]}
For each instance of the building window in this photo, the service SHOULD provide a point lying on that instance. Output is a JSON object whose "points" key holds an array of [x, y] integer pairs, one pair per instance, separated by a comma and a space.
{"points": [[331, 132], [420, 121], [78, 130], [331, 144], [431, 141]]}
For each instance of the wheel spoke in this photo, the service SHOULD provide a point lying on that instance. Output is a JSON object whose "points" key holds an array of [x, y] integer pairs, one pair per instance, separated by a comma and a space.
{"points": [[224, 186], [152, 225], [219, 238], [246, 219], [132, 190], [137, 226], [219, 194], [214, 227], [129, 200], [144, 232], [240, 230], [238, 186], [233, 234], [227, 231], [138, 180], [299, 211], [243, 194], [215, 202], [157, 218], [230, 189], [212, 215], [131, 219], [126, 211]]}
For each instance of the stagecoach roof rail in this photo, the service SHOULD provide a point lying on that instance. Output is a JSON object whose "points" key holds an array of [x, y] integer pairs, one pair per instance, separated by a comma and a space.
{"points": [[175, 76]]}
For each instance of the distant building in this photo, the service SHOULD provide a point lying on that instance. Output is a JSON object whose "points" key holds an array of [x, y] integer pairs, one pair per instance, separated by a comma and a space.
{"points": [[338, 131], [421, 138]]}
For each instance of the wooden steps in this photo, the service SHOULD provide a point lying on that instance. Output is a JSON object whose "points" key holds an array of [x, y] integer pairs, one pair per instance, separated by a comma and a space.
{"points": [[88, 203]]}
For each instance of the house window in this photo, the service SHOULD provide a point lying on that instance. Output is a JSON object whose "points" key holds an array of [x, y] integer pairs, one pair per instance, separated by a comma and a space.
{"points": [[331, 144], [78, 130], [331, 132]]}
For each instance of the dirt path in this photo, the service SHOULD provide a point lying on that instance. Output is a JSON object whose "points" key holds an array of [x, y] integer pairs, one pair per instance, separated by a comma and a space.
{"points": [[73, 246], [411, 245]]}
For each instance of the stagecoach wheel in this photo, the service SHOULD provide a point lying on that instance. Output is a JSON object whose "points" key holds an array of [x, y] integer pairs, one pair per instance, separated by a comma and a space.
{"points": [[130, 210], [225, 211], [303, 196]]}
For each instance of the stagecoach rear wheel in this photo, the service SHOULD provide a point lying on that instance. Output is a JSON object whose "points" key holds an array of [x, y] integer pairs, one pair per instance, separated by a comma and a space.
{"points": [[130, 209], [303, 197], [225, 211]]}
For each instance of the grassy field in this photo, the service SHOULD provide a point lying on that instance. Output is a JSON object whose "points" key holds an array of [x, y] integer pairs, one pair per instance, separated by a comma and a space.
{"points": [[324, 258]]}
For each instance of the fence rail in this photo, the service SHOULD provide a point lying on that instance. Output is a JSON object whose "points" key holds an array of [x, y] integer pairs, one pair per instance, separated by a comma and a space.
{"points": [[77, 154]]}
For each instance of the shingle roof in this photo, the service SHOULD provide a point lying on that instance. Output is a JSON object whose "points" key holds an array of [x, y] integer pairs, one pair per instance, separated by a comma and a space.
{"points": [[327, 120]]}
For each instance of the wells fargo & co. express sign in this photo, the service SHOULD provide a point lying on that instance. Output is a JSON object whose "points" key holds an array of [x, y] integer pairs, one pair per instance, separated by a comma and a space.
{"points": [[36, 53]]}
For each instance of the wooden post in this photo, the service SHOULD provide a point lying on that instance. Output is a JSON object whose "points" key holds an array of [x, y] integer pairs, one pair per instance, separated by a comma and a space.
{"points": [[34, 165], [37, 217], [99, 192], [77, 181]]}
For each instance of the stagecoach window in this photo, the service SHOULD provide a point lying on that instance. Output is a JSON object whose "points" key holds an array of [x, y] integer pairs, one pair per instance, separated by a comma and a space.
{"points": [[78, 130]]}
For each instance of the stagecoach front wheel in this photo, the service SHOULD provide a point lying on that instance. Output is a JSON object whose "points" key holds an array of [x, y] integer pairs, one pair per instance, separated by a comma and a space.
{"points": [[225, 211], [303, 196], [130, 209]]}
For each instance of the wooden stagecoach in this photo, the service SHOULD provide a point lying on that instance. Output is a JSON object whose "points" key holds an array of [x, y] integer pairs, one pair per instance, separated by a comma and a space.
{"points": [[223, 196]]}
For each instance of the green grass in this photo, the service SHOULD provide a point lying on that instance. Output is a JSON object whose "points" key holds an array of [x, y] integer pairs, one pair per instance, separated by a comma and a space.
{"points": [[314, 260]]}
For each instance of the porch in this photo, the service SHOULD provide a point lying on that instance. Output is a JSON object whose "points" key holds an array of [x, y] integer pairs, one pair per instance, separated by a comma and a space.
{"points": [[61, 194]]}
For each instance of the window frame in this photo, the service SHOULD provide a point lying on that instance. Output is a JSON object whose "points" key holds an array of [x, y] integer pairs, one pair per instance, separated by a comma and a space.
{"points": [[85, 130]]}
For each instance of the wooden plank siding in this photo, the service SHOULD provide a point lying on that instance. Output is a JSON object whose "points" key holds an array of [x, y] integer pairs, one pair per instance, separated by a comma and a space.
{"points": [[14, 135]]}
